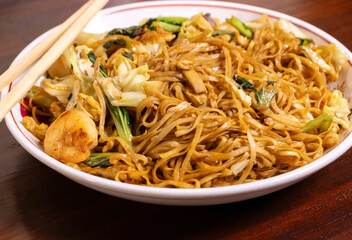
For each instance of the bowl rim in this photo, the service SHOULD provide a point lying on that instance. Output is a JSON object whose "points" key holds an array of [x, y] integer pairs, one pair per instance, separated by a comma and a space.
{"points": [[177, 193]]}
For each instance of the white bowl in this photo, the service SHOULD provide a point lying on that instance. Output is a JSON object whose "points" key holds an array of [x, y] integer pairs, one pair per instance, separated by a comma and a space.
{"points": [[131, 14]]}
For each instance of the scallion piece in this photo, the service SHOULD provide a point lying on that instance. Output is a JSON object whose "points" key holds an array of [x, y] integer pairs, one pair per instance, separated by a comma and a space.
{"points": [[322, 122], [241, 27]]}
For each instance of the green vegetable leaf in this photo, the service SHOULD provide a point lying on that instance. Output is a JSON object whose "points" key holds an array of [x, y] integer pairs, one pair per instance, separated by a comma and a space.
{"points": [[271, 83], [119, 42], [121, 120], [92, 58], [98, 160], [128, 55], [264, 97], [244, 84], [322, 122], [69, 97], [132, 31], [119, 114]]}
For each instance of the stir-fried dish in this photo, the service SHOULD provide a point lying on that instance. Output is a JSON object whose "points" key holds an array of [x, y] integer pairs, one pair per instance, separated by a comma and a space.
{"points": [[190, 102]]}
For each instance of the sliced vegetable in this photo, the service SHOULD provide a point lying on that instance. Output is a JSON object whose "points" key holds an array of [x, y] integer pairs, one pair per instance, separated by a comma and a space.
{"points": [[92, 59], [132, 31], [264, 96], [223, 32], [166, 26], [288, 27], [40, 98], [173, 20], [322, 122], [271, 83], [50, 86], [119, 42], [98, 160], [318, 59], [338, 106], [121, 120], [339, 58], [241, 27], [244, 84], [128, 55], [195, 26], [86, 82], [304, 41], [119, 114]]}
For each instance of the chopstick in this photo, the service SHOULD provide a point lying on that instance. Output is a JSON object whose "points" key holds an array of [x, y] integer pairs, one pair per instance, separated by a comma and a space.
{"points": [[21, 65], [65, 35]]}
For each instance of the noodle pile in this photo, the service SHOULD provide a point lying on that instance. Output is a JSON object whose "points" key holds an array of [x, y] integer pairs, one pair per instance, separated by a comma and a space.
{"points": [[196, 126]]}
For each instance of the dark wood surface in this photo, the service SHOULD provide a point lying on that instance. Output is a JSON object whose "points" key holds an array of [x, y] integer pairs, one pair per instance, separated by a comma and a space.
{"points": [[38, 203]]}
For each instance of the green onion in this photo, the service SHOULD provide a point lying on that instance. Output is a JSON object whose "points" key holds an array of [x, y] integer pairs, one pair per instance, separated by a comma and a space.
{"points": [[322, 122], [241, 27], [223, 32], [173, 20], [304, 41], [166, 26]]}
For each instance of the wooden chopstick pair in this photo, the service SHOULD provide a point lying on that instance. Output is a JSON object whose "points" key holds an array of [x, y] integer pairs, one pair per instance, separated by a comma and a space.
{"points": [[49, 50]]}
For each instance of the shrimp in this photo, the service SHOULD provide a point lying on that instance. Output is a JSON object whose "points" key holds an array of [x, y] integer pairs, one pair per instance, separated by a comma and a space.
{"points": [[71, 137]]}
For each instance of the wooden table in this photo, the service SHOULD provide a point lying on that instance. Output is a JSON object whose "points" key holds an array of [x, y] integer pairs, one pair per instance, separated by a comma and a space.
{"points": [[38, 203]]}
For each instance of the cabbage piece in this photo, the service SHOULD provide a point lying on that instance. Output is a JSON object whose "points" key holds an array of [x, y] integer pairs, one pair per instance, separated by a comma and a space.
{"points": [[111, 90], [129, 99], [338, 106], [127, 88], [315, 57], [339, 58], [88, 38], [85, 80], [288, 27], [195, 26], [61, 89], [330, 58]]}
